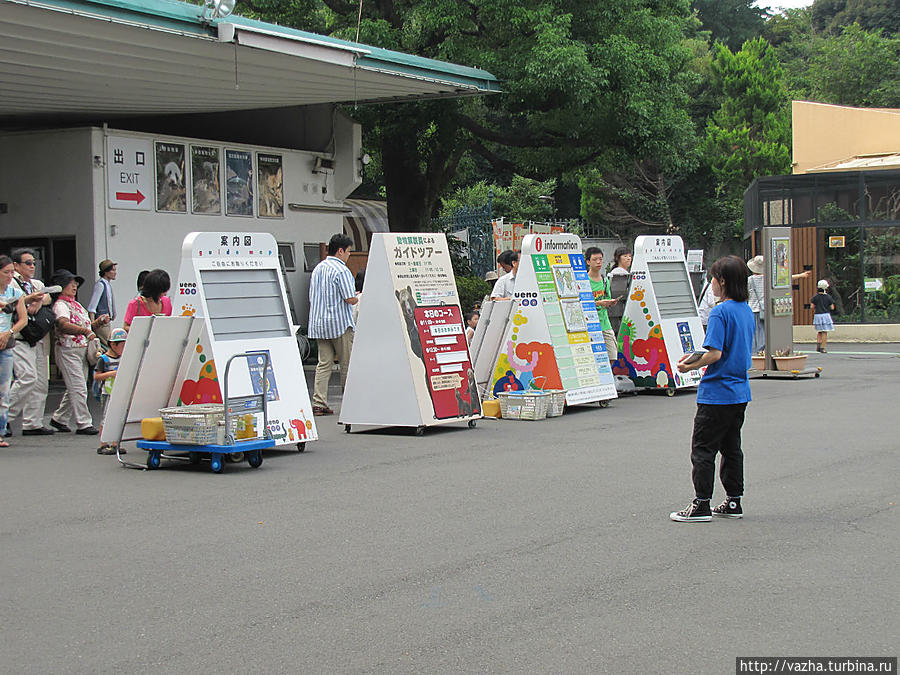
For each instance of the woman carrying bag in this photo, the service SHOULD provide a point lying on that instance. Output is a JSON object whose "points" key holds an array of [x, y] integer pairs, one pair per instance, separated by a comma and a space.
{"points": [[74, 329], [12, 318]]}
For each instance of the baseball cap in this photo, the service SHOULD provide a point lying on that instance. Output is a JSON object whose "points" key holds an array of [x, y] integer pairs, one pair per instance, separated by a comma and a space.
{"points": [[822, 283], [118, 335]]}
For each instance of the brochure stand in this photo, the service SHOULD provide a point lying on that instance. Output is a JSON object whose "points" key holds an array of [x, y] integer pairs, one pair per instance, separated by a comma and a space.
{"points": [[660, 323], [410, 364], [553, 339], [231, 299]]}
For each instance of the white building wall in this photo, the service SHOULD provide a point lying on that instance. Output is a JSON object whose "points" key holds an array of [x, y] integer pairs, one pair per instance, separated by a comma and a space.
{"points": [[55, 184]]}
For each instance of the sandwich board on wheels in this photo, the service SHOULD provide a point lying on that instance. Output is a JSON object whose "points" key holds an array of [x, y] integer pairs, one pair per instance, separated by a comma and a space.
{"points": [[231, 295], [553, 339], [660, 323], [410, 364]]}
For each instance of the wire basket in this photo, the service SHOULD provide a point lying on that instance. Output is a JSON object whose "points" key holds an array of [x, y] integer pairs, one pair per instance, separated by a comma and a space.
{"points": [[557, 402], [193, 424], [523, 405]]}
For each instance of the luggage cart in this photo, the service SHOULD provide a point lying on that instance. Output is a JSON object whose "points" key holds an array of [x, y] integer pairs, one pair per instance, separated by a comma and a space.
{"points": [[195, 439]]}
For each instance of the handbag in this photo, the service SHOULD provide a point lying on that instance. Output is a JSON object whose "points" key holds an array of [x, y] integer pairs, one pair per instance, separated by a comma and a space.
{"points": [[38, 325], [94, 349]]}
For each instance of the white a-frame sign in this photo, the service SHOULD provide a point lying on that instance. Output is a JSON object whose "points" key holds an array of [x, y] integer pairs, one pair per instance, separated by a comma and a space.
{"points": [[232, 282], [410, 363], [554, 339], [661, 322]]}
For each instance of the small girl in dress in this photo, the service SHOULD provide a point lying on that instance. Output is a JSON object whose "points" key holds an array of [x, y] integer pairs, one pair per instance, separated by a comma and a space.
{"points": [[824, 305]]}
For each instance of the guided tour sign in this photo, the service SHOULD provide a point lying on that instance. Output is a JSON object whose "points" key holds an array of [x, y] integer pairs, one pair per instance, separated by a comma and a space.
{"points": [[129, 173]]}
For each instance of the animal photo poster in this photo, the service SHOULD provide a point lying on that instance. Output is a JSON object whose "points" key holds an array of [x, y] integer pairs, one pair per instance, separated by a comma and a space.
{"points": [[205, 195], [269, 178], [171, 194], [781, 262], [425, 292], [238, 183]]}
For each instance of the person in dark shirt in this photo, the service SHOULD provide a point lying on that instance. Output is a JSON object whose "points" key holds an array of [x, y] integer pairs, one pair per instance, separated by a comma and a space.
{"points": [[722, 396], [823, 304]]}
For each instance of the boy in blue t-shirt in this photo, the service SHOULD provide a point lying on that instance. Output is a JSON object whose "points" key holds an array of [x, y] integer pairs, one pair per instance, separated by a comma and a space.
{"points": [[722, 396], [105, 376]]}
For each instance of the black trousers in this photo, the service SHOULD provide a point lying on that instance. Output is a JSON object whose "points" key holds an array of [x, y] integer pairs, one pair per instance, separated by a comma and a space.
{"points": [[717, 429]]}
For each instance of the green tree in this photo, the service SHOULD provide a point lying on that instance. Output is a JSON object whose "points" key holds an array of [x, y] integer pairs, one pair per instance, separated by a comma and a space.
{"points": [[749, 135], [731, 22], [519, 201], [834, 15], [858, 68]]}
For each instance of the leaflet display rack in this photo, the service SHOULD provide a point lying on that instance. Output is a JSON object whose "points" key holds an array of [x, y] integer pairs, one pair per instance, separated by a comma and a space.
{"points": [[230, 300], [660, 323], [553, 339]]}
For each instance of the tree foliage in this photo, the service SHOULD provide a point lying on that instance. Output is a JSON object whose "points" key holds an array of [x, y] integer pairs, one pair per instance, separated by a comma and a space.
{"points": [[731, 22], [832, 16], [749, 135]]}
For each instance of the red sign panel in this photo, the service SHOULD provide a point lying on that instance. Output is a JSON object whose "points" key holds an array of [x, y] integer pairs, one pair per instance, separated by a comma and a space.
{"points": [[448, 368]]}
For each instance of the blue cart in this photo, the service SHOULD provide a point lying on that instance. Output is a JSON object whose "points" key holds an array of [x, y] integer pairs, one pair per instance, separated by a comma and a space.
{"points": [[231, 447]]}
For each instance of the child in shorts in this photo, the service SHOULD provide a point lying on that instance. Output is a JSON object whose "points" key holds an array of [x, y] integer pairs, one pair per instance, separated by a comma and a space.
{"points": [[105, 375], [823, 304]]}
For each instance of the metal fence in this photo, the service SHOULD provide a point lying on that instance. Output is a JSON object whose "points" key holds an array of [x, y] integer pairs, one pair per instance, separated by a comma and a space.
{"points": [[473, 226]]}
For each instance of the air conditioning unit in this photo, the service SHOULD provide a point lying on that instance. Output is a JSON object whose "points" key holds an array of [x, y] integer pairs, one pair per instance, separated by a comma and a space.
{"points": [[323, 165]]}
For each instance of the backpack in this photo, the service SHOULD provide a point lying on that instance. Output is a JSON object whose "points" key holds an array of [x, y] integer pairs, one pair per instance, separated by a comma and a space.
{"points": [[38, 324]]}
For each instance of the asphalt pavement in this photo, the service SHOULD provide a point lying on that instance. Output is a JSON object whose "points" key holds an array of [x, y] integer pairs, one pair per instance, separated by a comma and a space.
{"points": [[514, 547]]}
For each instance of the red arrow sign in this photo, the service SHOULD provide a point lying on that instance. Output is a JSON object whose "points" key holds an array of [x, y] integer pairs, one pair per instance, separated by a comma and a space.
{"points": [[135, 196]]}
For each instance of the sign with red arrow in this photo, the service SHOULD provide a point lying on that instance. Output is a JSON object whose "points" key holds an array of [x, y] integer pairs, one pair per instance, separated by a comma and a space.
{"points": [[129, 172]]}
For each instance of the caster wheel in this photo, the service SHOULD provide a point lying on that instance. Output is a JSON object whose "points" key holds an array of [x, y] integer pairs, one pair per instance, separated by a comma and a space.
{"points": [[255, 459], [301, 447], [670, 392], [604, 404], [235, 457], [194, 458], [420, 431], [817, 374], [472, 424], [346, 428], [153, 460], [216, 463]]}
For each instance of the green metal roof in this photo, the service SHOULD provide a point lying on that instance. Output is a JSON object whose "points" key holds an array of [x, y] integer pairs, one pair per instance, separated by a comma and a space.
{"points": [[188, 18]]}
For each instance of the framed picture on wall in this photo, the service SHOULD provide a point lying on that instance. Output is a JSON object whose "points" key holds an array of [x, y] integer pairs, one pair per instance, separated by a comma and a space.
{"points": [[269, 178], [238, 182], [171, 194], [205, 171]]}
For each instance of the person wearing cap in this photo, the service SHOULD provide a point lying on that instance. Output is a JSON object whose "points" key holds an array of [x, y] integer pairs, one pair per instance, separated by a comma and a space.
{"points": [[757, 300], [103, 304], [74, 329], [28, 396], [105, 374], [823, 304]]}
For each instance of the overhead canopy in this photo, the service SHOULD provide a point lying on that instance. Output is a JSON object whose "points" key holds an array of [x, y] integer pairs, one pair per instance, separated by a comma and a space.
{"points": [[366, 216], [116, 58]]}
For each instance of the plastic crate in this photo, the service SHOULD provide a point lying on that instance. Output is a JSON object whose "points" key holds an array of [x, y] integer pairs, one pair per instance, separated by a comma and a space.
{"points": [[525, 405], [193, 424], [557, 402]]}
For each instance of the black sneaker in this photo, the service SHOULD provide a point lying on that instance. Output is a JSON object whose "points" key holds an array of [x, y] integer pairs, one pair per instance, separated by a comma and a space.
{"points": [[88, 431], [59, 426], [696, 512], [7, 433], [40, 431], [730, 508]]}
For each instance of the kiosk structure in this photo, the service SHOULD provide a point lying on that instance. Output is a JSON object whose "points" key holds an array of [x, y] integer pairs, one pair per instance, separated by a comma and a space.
{"points": [[231, 300], [779, 305], [553, 338], [660, 323], [410, 364]]}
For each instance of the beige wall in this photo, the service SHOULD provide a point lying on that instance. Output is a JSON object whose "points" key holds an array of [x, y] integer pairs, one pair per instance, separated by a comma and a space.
{"points": [[824, 133]]}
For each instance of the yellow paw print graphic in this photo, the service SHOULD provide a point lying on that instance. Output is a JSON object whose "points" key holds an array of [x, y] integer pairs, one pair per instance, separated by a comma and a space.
{"points": [[188, 310]]}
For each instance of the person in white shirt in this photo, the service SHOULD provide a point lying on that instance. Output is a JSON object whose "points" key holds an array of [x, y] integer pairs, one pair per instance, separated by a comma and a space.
{"points": [[503, 289]]}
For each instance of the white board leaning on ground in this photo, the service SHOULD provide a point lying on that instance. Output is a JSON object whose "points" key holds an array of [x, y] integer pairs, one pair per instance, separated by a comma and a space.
{"points": [[553, 339], [660, 323], [410, 363]]}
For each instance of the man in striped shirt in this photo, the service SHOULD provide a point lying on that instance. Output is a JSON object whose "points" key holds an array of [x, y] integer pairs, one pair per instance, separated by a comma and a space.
{"points": [[332, 293]]}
